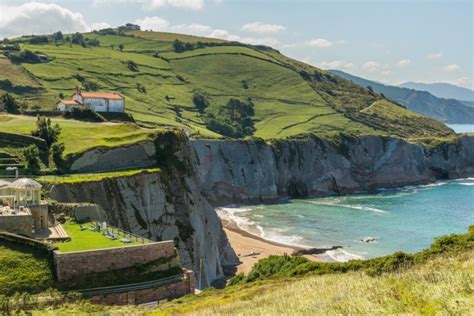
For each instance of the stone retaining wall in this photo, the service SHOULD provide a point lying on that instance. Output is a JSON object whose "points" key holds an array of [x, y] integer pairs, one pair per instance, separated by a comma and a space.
{"points": [[73, 265], [165, 292]]}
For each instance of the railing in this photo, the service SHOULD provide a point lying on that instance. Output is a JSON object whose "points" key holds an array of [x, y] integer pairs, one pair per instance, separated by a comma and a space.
{"points": [[131, 287], [118, 231]]}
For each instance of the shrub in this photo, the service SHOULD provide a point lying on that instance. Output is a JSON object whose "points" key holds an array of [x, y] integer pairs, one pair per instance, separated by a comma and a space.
{"points": [[31, 154], [39, 40], [26, 56], [84, 114], [46, 131], [9, 103], [200, 102], [57, 151], [233, 119], [131, 65]]}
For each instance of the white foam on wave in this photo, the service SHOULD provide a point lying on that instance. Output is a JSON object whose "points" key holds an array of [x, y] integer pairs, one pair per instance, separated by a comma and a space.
{"points": [[435, 184], [338, 255], [466, 183], [355, 206], [234, 215]]}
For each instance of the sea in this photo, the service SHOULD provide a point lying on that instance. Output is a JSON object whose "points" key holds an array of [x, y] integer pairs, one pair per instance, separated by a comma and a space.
{"points": [[365, 225], [462, 128]]}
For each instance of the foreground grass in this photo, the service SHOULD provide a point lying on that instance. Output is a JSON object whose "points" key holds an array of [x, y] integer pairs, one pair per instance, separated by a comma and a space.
{"points": [[23, 269], [87, 239], [444, 286]]}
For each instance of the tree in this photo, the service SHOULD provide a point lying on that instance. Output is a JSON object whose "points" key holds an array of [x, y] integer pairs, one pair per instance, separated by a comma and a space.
{"points": [[77, 38], [121, 47], [31, 154], [58, 36], [45, 130], [57, 151], [178, 46], [9, 103], [200, 102]]}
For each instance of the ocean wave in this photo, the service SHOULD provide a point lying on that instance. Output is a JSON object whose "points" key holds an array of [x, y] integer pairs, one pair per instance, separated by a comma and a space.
{"points": [[234, 216], [466, 183], [355, 207], [435, 184], [339, 255]]}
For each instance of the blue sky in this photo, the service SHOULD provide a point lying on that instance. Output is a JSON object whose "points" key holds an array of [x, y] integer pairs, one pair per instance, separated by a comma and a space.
{"points": [[387, 41]]}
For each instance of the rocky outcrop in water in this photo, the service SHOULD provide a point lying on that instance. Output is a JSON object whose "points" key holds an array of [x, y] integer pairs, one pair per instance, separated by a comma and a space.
{"points": [[246, 172]]}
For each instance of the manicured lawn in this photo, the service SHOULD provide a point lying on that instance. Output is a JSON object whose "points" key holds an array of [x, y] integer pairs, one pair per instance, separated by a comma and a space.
{"points": [[87, 239]]}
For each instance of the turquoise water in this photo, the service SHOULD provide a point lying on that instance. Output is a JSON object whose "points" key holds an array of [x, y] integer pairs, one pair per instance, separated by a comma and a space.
{"points": [[407, 219], [462, 128]]}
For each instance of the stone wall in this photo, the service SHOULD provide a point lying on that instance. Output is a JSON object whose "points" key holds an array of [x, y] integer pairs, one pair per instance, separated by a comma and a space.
{"points": [[17, 224], [73, 265], [165, 292]]}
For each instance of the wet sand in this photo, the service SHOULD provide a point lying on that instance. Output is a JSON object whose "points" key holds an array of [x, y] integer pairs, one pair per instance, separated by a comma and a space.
{"points": [[250, 248]]}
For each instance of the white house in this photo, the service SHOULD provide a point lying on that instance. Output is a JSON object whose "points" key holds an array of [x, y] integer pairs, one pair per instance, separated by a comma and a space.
{"points": [[96, 101]]}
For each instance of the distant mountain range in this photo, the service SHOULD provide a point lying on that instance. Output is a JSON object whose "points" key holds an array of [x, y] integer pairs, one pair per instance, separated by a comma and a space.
{"points": [[445, 110], [442, 90]]}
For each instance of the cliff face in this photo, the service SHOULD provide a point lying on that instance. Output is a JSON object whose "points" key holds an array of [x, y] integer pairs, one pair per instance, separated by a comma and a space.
{"points": [[164, 205], [253, 172], [175, 203]]}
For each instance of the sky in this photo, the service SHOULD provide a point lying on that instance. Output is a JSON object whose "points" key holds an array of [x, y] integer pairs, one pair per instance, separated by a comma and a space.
{"points": [[384, 40]]}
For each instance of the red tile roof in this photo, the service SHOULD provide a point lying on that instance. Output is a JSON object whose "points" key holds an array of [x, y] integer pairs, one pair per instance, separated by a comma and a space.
{"points": [[102, 95], [70, 102]]}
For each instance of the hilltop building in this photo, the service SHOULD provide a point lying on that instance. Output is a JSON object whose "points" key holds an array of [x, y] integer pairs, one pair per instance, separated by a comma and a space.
{"points": [[132, 27], [21, 209], [96, 101]]}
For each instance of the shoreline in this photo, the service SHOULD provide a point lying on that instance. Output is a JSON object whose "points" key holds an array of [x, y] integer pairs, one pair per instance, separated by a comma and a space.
{"points": [[251, 248]]}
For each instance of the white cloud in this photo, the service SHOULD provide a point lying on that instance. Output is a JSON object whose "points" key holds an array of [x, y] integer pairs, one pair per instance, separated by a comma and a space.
{"points": [[263, 28], [100, 26], [39, 18], [434, 55], [451, 68], [319, 43], [181, 4], [403, 62], [337, 64], [376, 67], [153, 23]]}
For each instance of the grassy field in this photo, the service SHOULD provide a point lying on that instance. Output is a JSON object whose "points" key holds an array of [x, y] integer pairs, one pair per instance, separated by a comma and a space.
{"points": [[87, 239], [23, 269], [289, 97], [78, 136]]}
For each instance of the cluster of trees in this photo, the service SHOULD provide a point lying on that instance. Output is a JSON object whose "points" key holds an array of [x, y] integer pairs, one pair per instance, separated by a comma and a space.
{"points": [[25, 56], [180, 46], [78, 38], [234, 119], [49, 132]]}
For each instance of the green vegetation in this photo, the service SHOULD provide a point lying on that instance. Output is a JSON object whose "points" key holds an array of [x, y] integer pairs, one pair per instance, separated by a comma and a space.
{"points": [[87, 239], [89, 177], [78, 136], [24, 269], [160, 74]]}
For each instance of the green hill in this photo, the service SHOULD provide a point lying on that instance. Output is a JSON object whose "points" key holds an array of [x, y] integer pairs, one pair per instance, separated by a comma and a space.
{"points": [[422, 102], [278, 97]]}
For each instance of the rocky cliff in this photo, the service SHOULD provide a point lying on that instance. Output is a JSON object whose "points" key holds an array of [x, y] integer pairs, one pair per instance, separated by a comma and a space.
{"points": [[175, 203], [245, 172], [164, 205]]}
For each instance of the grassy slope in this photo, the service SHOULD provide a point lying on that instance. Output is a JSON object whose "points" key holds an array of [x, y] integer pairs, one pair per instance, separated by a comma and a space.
{"points": [[23, 269], [285, 103], [78, 136]]}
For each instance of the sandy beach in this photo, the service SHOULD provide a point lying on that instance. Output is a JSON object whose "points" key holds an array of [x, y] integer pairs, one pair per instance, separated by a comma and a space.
{"points": [[250, 248]]}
